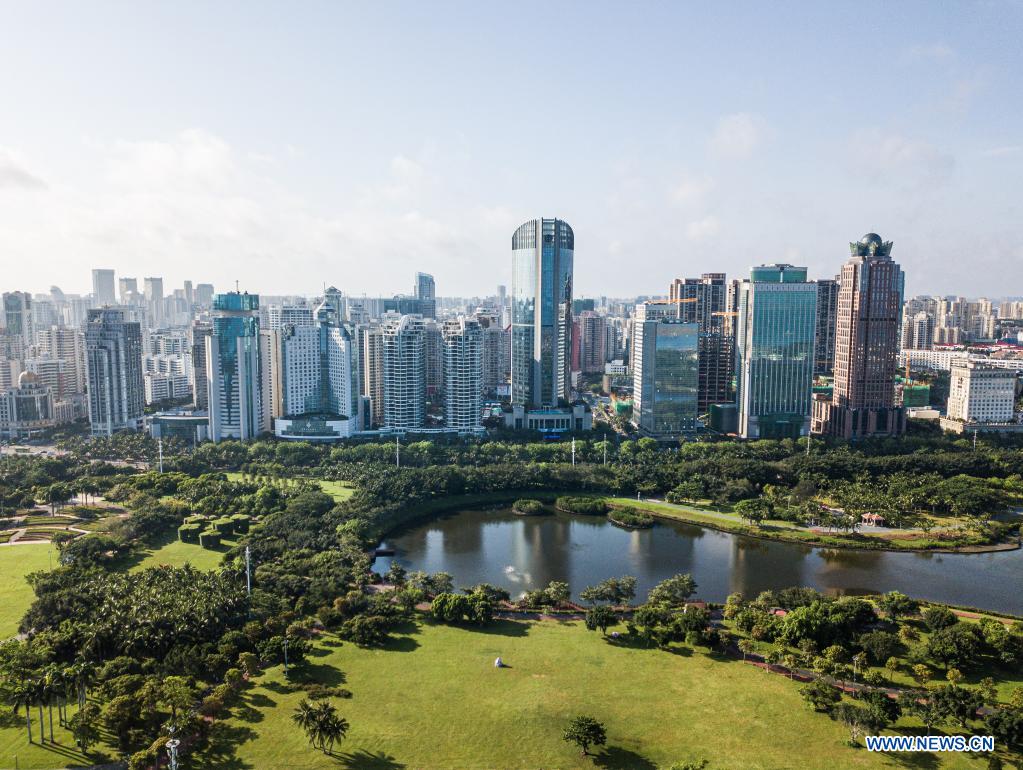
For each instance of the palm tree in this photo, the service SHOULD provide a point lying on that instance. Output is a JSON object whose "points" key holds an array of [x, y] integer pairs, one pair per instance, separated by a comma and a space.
{"points": [[329, 726], [305, 717]]}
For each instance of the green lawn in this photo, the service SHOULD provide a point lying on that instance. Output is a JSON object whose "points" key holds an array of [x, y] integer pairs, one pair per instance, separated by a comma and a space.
{"points": [[16, 561], [176, 554], [339, 490], [434, 700]]}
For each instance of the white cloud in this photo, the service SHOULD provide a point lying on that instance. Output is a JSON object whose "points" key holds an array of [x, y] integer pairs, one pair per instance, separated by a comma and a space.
{"points": [[998, 152], [690, 191], [702, 229], [14, 175], [898, 159], [738, 135], [929, 51]]}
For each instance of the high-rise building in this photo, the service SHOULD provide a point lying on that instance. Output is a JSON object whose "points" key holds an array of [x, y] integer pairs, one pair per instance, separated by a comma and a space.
{"points": [[917, 331], [204, 295], [18, 319], [775, 335], [233, 368], [103, 287], [866, 346], [827, 315], [67, 344], [113, 362], [463, 368], [404, 372], [589, 343], [292, 313], [371, 363], [496, 355], [433, 359], [542, 270], [199, 332], [316, 379], [665, 370], [128, 291], [154, 300], [425, 291], [703, 301]]}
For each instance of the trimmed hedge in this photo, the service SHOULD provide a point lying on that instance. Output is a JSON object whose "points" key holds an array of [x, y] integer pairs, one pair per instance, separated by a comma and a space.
{"points": [[189, 533], [224, 525], [526, 507], [209, 538], [587, 506], [240, 522]]}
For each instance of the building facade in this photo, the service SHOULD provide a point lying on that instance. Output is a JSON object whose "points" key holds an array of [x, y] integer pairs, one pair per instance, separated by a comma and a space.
{"points": [[775, 335], [463, 369], [665, 367], [233, 372], [703, 301], [103, 287], [827, 316], [867, 340], [542, 270], [404, 370], [113, 362], [981, 393], [425, 291]]}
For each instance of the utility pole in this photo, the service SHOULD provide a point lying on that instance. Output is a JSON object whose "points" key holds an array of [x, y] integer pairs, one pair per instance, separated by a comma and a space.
{"points": [[605, 449], [808, 439], [285, 653], [397, 453], [248, 572], [974, 439], [573, 451], [160, 447]]}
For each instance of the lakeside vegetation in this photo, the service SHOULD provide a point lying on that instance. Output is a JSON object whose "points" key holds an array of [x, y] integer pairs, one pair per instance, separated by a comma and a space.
{"points": [[122, 639]]}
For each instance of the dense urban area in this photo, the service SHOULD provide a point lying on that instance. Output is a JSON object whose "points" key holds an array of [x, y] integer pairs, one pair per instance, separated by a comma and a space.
{"points": [[221, 515]]}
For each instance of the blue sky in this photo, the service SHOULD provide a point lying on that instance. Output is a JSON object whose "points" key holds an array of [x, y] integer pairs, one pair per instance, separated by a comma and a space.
{"points": [[291, 144]]}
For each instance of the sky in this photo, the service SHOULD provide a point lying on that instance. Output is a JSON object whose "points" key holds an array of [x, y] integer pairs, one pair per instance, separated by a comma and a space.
{"points": [[291, 145]]}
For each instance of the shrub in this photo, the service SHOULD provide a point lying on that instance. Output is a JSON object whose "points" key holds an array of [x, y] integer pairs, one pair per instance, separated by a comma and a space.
{"points": [[625, 516], [587, 506], [189, 533], [527, 507], [240, 522], [224, 525]]}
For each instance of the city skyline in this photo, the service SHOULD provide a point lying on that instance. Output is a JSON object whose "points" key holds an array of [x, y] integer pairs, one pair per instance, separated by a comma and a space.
{"points": [[348, 167]]}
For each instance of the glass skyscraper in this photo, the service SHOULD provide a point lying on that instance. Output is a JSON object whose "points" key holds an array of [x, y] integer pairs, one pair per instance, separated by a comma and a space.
{"points": [[666, 368], [542, 263], [775, 335], [232, 360]]}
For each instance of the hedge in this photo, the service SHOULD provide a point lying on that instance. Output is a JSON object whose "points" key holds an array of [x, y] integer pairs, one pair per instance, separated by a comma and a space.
{"points": [[224, 525], [209, 538], [630, 517], [240, 522], [526, 507], [189, 533]]}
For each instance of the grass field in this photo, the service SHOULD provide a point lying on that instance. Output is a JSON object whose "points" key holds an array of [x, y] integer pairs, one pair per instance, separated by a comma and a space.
{"points": [[339, 490], [434, 700], [176, 554], [17, 561]]}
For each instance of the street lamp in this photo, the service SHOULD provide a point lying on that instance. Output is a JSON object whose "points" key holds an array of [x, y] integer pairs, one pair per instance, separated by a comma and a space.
{"points": [[285, 654]]}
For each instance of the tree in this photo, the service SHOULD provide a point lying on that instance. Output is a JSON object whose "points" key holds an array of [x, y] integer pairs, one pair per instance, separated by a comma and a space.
{"points": [[892, 666], [853, 717], [747, 647], [957, 645], [83, 726], [601, 616], [673, 591], [895, 605], [922, 674], [753, 511], [612, 591], [958, 704], [584, 732], [879, 645], [820, 695], [937, 618], [176, 694]]}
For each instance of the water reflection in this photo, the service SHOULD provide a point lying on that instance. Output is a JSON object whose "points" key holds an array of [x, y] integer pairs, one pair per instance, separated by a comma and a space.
{"points": [[522, 553]]}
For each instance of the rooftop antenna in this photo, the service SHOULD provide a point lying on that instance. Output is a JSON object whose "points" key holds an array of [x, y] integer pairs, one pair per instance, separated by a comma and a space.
{"points": [[237, 288]]}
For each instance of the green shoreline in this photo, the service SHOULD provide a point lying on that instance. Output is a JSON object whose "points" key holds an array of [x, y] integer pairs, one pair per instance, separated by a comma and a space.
{"points": [[679, 514]]}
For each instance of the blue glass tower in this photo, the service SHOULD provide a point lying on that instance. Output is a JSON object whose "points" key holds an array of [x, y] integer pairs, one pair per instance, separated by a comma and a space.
{"points": [[232, 356], [542, 264]]}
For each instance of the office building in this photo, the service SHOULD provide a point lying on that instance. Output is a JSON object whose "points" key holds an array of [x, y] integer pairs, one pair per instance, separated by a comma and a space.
{"points": [[233, 368], [827, 316], [703, 301], [404, 371], [199, 332], [128, 290], [204, 295], [103, 288], [589, 343], [463, 368], [27, 409], [18, 321], [425, 291], [295, 314], [866, 347], [542, 270], [775, 333], [665, 366], [496, 355], [113, 363], [980, 395]]}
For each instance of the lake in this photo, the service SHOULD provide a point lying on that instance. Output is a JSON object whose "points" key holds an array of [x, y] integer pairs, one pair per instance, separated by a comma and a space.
{"points": [[522, 553]]}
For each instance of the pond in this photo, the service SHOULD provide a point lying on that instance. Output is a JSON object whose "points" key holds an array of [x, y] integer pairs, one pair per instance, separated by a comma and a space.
{"points": [[521, 553]]}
